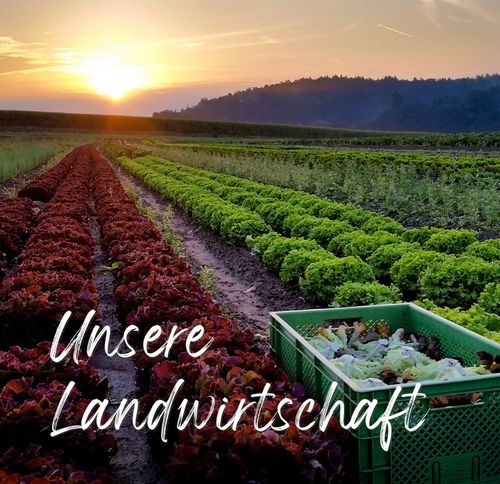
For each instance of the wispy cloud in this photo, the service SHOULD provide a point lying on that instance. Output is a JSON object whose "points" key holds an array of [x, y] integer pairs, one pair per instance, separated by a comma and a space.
{"points": [[40, 56], [242, 45], [436, 10], [395, 31], [12, 48], [184, 41], [473, 8], [28, 70], [264, 40], [460, 20], [429, 9]]}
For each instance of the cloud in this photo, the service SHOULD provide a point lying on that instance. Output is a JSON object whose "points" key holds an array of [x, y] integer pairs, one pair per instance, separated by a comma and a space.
{"points": [[10, 47], [429, 9], [35, 57], [269, 41], [472, 7], [183, 41], [27, 54], [433, 10], [239, 38], [39, 56], [26, 71], [460, 20], [396, 31]]}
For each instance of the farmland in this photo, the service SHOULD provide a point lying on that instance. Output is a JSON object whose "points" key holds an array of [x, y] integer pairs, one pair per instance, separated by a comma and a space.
{"points": [[50, 268], [24, 151], [293, 135], [18, 155], [150, 232], [335, 250], [444, 189]]}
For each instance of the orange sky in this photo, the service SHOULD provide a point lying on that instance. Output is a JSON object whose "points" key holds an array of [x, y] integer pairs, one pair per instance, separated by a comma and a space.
{"points": [[138, 57]]}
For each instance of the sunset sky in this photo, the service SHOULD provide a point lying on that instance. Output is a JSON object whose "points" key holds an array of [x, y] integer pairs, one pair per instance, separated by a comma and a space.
{"points": [[136, 57]]}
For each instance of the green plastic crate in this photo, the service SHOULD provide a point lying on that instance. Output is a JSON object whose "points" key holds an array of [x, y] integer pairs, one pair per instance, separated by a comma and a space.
{"points": [[456, 444]]}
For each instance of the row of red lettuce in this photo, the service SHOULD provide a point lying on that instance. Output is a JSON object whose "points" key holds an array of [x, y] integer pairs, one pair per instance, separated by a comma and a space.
{"points": [[155, 286], [52, 274]]}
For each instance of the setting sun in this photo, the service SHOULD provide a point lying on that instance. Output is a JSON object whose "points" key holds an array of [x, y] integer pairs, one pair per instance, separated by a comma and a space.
{"points": [[108, 76]]}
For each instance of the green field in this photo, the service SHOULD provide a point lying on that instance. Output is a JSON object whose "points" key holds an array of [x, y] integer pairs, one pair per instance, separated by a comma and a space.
{"points": [[336, 253], [19, 156], [182, 231], [289, 134], [445, 189], [21, 151]]}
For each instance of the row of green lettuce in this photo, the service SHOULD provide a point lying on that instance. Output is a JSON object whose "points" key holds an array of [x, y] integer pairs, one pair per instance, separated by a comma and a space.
{"points": [[335, 159], [339, 254]]}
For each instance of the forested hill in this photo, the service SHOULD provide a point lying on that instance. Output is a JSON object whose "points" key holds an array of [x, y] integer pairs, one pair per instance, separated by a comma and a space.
{"points": [[448, 105]]}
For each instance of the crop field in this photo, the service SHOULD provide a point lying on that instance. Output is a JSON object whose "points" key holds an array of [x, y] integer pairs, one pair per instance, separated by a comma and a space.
{"points": [[153, 232], [47, 266], [21, 152], [17, 156], [337, 253], [288, 134], [442, 189]]}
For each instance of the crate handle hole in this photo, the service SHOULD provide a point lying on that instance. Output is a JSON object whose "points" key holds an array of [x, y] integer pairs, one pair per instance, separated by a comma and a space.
{"points": [[463, 400]]}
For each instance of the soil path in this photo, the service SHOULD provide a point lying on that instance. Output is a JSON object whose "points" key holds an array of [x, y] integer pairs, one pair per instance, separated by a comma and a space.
{"points": [[133, 463], [243, 284]]}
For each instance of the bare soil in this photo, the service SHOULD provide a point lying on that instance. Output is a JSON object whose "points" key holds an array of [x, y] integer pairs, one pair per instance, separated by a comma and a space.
{"points": [[246, 289], [133, 463]]}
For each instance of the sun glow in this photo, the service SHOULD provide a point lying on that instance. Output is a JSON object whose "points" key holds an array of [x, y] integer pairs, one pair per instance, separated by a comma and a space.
{"points": [[110, 77]]}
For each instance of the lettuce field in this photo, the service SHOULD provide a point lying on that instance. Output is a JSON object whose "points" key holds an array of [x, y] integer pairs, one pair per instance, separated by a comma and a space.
{"points": [[199, 232]]}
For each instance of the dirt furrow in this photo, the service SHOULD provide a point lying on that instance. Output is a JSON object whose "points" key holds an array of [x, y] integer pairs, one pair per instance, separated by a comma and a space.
{"points": [[243, 284], [133, 463]]}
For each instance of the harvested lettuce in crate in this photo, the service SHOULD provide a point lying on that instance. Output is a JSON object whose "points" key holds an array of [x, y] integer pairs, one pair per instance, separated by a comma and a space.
{"points": [[373, 356]]}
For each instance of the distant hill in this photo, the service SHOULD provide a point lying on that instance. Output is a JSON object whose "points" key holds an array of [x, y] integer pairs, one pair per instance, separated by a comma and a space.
{"points": [[443, 105]]}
